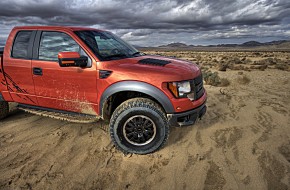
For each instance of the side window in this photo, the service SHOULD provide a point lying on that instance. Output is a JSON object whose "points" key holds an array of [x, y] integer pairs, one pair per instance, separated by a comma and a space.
{"points": [[52, 43], [20, 46]]}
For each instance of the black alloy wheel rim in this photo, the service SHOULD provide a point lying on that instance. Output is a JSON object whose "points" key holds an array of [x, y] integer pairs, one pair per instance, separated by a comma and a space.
{"points": [[139, 130]]}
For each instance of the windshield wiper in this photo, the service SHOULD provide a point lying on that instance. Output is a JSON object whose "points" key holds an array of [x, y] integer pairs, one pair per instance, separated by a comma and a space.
{"points": [[137, 53]]}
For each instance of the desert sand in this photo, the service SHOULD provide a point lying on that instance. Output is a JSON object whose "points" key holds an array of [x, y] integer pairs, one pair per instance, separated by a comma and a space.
{"points": [[243, 142]]}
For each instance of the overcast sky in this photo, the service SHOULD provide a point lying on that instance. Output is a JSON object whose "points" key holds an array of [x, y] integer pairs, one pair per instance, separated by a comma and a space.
{"points": [[158, 22]]}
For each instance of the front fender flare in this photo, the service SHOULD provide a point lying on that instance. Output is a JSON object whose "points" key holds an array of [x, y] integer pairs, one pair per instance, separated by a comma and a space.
{"points": [[137, 86]]}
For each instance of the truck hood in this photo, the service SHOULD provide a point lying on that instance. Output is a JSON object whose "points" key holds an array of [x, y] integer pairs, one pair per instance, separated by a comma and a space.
{"points": [[175, 70]]}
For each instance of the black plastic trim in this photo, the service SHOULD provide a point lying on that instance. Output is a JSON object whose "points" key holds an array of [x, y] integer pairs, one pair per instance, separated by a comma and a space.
{"points": [[103, 74], [36, 45], [192, 115], [1, 50], [137, 87], [78, 62], [30, 45], [52, 110], [152, 61], [37, 71], [1, 97]]}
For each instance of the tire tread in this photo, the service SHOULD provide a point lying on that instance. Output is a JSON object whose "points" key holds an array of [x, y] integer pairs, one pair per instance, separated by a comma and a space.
{"points": [[4, 109], [138, 102]]}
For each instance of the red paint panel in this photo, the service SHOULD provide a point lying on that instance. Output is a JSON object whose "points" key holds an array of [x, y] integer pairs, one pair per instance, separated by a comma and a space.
{"points": [[62, 55], [18, 74], [66, 88], [19, 81], [3, 86], [130, 69]]}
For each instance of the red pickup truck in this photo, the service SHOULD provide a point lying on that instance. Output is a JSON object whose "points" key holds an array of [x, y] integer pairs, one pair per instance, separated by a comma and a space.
{"points": [[90, 72]]}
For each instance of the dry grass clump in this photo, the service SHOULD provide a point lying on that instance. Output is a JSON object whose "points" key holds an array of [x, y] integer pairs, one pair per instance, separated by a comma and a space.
{"points": [[235, 60], [224, 82], [247, 61], [236, 67], [282, 67], [222, 66], [240, 73], [243, 80], [267, 61], [212, 78], [259, 67]]}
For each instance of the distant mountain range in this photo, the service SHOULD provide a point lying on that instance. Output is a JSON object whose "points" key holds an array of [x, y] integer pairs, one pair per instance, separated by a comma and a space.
{"points": [[282, 44]]}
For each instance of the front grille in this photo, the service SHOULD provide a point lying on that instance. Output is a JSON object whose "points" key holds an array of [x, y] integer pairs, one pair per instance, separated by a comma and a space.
{"points": [[198, 87]]}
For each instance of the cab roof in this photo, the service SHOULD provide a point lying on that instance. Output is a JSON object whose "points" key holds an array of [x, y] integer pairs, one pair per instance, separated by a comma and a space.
{"points": [[71, 28]]}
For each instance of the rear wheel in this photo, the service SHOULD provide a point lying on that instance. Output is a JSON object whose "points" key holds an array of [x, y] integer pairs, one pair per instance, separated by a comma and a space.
{"points": [[4, 109], [139, 126]]}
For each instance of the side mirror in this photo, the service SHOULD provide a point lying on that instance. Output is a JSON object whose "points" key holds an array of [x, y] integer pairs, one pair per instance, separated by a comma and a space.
{"points": [[72, 59]]}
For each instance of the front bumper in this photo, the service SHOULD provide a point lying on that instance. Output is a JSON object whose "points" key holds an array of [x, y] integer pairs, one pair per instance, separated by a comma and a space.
{"points": [[186, 118]]}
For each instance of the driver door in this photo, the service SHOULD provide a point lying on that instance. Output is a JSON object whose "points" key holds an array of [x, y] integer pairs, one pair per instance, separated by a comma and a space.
{"points": [[63, 88]]}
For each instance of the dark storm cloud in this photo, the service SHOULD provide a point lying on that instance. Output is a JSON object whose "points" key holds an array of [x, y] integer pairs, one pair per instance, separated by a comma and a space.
{"points": [[156, 22]]}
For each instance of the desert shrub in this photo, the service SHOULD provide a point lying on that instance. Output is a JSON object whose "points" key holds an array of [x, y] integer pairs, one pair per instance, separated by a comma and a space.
{"points": [[243, 80], [247, 61], [212, 78], [282, 67], [198, 57], [259, 67], [224, 58], [236, 67], [224, 82], [271, 61], [268, 61], [261, 62], [256, 54], [240, 73], [236, 60], [222, 66]]}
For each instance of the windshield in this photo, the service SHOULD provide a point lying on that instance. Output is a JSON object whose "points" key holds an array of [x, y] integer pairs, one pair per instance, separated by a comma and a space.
{"points": [[107, 46]]}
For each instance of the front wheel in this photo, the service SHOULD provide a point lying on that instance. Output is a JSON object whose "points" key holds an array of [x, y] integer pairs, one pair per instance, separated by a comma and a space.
{"points": [[4, 109], [139, 126]]}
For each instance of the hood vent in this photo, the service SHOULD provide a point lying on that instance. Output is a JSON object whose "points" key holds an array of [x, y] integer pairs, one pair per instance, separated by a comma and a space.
{"points": [[156, 62]]}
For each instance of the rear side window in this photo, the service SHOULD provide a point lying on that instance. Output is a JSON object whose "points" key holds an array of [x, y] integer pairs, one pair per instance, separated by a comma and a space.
{"points": [[21, 43], [52, 43]]}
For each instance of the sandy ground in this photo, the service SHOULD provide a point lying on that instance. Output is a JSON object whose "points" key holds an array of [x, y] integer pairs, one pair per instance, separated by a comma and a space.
{"points": [[243, 142]]}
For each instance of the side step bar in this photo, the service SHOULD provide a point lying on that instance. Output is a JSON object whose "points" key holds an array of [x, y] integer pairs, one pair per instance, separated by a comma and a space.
{"points": [[59, 114]]}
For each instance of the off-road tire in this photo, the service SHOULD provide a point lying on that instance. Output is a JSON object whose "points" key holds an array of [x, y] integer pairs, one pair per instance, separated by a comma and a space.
{"points": [[4, 109], [139, 107]]}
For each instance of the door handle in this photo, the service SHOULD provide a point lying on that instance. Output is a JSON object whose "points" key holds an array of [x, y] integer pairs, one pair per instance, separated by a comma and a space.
{"points": [[37, 71]]}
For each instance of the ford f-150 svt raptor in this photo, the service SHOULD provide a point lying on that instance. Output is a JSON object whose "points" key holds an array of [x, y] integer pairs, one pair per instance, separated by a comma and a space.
{"points": [[70, 70]]}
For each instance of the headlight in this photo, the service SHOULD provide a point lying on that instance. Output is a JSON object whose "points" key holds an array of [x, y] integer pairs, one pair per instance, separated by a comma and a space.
{"points": [[180, 89]]}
